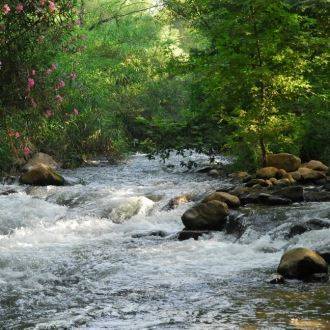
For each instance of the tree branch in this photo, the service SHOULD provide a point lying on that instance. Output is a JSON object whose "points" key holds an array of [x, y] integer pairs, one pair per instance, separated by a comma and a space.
{"points": [[109, 19]]}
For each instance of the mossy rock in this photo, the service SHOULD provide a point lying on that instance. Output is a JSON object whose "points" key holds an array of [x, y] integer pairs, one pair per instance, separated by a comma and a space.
{"points": [[41, 175]]}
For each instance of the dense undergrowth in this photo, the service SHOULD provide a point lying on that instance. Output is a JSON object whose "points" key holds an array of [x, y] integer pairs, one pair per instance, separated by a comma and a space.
{"points": [[106, 77]]}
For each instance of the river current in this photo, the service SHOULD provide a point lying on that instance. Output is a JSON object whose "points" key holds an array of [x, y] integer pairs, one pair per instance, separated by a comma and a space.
{"points": [[87, 256]]}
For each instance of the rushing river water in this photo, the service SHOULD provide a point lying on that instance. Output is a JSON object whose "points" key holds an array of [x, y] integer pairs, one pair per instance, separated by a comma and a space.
{"points": [[80, 257]]}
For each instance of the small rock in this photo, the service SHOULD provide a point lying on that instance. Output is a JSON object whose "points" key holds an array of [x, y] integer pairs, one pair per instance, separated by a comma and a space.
{"points": [[8, 192], [176, 201], [283, 182], [313, 224], [235, 224], [301, 263], [214, 173], [188, 234], [295, 175], [155, 233], [276, 279], [230, 200], [254, 182], [239, 175]]}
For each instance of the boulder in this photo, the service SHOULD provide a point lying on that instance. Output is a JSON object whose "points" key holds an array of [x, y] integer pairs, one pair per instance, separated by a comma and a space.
{"points": [[316, 165], [317, 196], [281, 173], [308, 174], [41, 158], [41, 175], [295, 175], [206, 216], [188, 234], [230, 200], [285, 161], [301, 263], [294, 193], [267, 172]]}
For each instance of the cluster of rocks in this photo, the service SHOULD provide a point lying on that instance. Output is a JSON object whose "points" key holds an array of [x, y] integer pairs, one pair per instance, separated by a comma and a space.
{"points": [[285, 180]]}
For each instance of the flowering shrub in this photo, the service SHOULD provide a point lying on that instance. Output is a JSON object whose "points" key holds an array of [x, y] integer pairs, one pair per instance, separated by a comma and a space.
{"points": [[32, 33]]}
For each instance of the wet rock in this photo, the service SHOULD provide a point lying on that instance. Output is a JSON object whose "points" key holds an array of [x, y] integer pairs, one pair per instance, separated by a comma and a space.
{"points": [[283, 182], [41, 158], [8, 192], [41, 175], [317, 196], [155, 233], [325, 255], [239, 191], [308, 174], [276, 279], [214, 173], [188, 234], [319, 278], [235, 224], [294, 193], [273, 181], [317, 166], [276, 200], [206, 216], [327, 185], [250, 198], [313, 224], [231, 200], [285, 161], [301, 263], [267, 172], [176, 201], [254, 182]]}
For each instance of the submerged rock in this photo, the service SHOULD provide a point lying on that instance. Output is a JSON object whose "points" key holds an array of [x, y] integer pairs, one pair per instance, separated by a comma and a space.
{"points": [[230, 200], [317, 196], [294, 193], [301, 263], [206, 216], [285, 161], [188, 234], [176, 201], [276, 279], [155, 233], [313, 224], [214, 173], [41, 175]]}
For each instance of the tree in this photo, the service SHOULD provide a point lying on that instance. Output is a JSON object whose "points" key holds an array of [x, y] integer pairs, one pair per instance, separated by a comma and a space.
{"points": [[254, 70]]}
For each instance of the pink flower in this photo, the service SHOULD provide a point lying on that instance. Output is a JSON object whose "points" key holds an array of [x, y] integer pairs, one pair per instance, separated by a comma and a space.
{"points": [[48, 113], [6, 9], [48, 72], [58, 98], [31, 83], [61, 84], [33, 72], [19, 8], [42, 2], [26, 151], [53, 67], [75, 112], [17, 135], [51, 6], [73, 75]]}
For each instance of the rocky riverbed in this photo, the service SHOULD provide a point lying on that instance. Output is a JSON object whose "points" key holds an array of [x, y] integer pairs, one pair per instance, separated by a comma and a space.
{"points": [[104, 251]]}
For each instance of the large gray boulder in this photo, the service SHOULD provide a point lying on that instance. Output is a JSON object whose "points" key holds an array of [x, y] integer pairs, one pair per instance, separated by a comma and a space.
{"points": [[206, 216], [301, 263]]}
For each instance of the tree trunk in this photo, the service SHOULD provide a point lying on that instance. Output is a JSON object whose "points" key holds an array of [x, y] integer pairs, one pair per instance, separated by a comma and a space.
{"points": [[263, 152]]}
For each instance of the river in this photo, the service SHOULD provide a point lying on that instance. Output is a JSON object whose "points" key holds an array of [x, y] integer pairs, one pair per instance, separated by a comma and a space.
{"points": [[81, 256]]}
